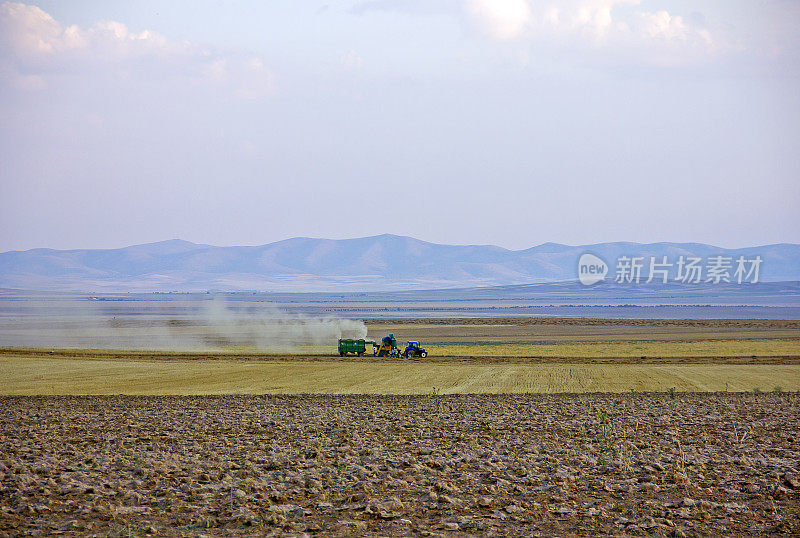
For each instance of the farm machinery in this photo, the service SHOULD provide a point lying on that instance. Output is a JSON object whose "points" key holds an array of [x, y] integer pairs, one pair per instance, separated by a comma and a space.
{"points": [[356, 347], [387, 347], [413, 349]]}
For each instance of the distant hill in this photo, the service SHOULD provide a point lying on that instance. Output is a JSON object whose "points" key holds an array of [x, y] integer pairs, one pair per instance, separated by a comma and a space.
{"points": [[383, 262]]}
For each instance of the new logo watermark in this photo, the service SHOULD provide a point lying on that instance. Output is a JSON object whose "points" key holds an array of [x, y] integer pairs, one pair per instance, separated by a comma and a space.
{"points": [[591, 269], [685, 269]]}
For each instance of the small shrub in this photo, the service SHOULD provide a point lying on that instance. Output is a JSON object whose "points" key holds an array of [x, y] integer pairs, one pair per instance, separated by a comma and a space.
{"points": [[777, 388], [672, 392], [756, 390]]}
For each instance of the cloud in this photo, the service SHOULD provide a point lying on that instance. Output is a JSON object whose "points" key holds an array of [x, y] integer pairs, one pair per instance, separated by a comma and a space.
{"points": [[500, 19], [662, 25], [246, 78], [35, 49], [30, 34], [596, 25], [352, 61], [368, 7], [594, 16]]}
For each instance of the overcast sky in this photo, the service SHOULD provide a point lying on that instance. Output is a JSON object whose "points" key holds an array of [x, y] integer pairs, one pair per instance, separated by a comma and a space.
{"points": [[509, 122]]}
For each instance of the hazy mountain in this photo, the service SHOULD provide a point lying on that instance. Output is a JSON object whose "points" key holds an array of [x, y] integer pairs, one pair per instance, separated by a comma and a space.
{"points": [[370, 263]]}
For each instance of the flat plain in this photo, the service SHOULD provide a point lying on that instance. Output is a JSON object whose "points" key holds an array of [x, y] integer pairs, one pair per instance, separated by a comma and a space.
{"points": [[511, 426], [505, 355], [61, 376], [496, 465]]}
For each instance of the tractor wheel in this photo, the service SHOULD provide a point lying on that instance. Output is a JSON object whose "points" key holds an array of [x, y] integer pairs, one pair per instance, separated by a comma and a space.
{"points": [[423, 354], [341, 353]]}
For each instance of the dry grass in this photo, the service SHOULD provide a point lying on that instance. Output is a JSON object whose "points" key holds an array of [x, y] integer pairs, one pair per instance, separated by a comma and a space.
{"points": [[708, 348], [552, 330], [27, 375], [772, 351], [472, 356]]}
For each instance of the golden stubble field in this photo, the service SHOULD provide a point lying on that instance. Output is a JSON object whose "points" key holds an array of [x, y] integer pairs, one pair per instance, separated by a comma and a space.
{"points": [[466, 356], [28, 376]]}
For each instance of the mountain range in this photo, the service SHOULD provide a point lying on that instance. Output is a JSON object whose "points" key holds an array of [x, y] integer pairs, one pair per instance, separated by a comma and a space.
{"points": [[383, 262]]}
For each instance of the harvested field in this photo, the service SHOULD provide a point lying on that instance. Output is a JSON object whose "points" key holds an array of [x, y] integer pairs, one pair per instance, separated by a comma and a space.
{"points": [[345, 465], [461, 446], [24, 375], [696, 349], [494, 337], [582, 330]]}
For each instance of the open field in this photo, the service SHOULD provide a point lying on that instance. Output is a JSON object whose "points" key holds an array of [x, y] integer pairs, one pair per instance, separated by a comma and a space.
{"points": [[454, 442], [576, 330], [476, 337], [703, 465], [98, 375], [514, 355], [700, 350], [697, 349], [225, 330]]}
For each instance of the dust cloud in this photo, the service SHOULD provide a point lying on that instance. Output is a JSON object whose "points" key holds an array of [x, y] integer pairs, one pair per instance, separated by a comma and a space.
{"points": [[213, 325]]}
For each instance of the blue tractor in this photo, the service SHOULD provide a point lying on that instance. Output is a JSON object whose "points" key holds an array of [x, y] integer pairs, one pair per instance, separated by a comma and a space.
{"points": [[413, 349]]}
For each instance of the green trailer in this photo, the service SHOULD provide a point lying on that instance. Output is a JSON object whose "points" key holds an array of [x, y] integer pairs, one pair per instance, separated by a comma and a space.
{"points": [[357, 347]]}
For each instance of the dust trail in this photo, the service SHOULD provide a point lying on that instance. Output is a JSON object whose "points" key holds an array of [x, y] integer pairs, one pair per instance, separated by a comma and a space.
{"points": [[211, 325], [277, 331]]}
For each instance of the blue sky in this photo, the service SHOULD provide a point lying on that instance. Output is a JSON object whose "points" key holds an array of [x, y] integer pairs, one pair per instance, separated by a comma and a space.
{"points": [[508, 122]]}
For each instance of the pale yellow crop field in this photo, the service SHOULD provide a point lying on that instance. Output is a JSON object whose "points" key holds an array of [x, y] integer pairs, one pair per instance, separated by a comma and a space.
{"points": [[29, 375], [702, 348], [766, 347]]}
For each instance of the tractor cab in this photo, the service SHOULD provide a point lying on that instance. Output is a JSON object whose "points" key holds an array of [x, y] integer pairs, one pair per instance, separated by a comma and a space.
{"points": [[413, 349]]}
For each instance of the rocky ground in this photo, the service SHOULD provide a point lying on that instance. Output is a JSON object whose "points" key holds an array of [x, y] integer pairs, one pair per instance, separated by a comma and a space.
{"points": [[723, 464]]}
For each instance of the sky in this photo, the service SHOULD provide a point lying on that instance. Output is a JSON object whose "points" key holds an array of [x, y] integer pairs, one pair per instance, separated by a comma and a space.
{"points": [[505, 122]]}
